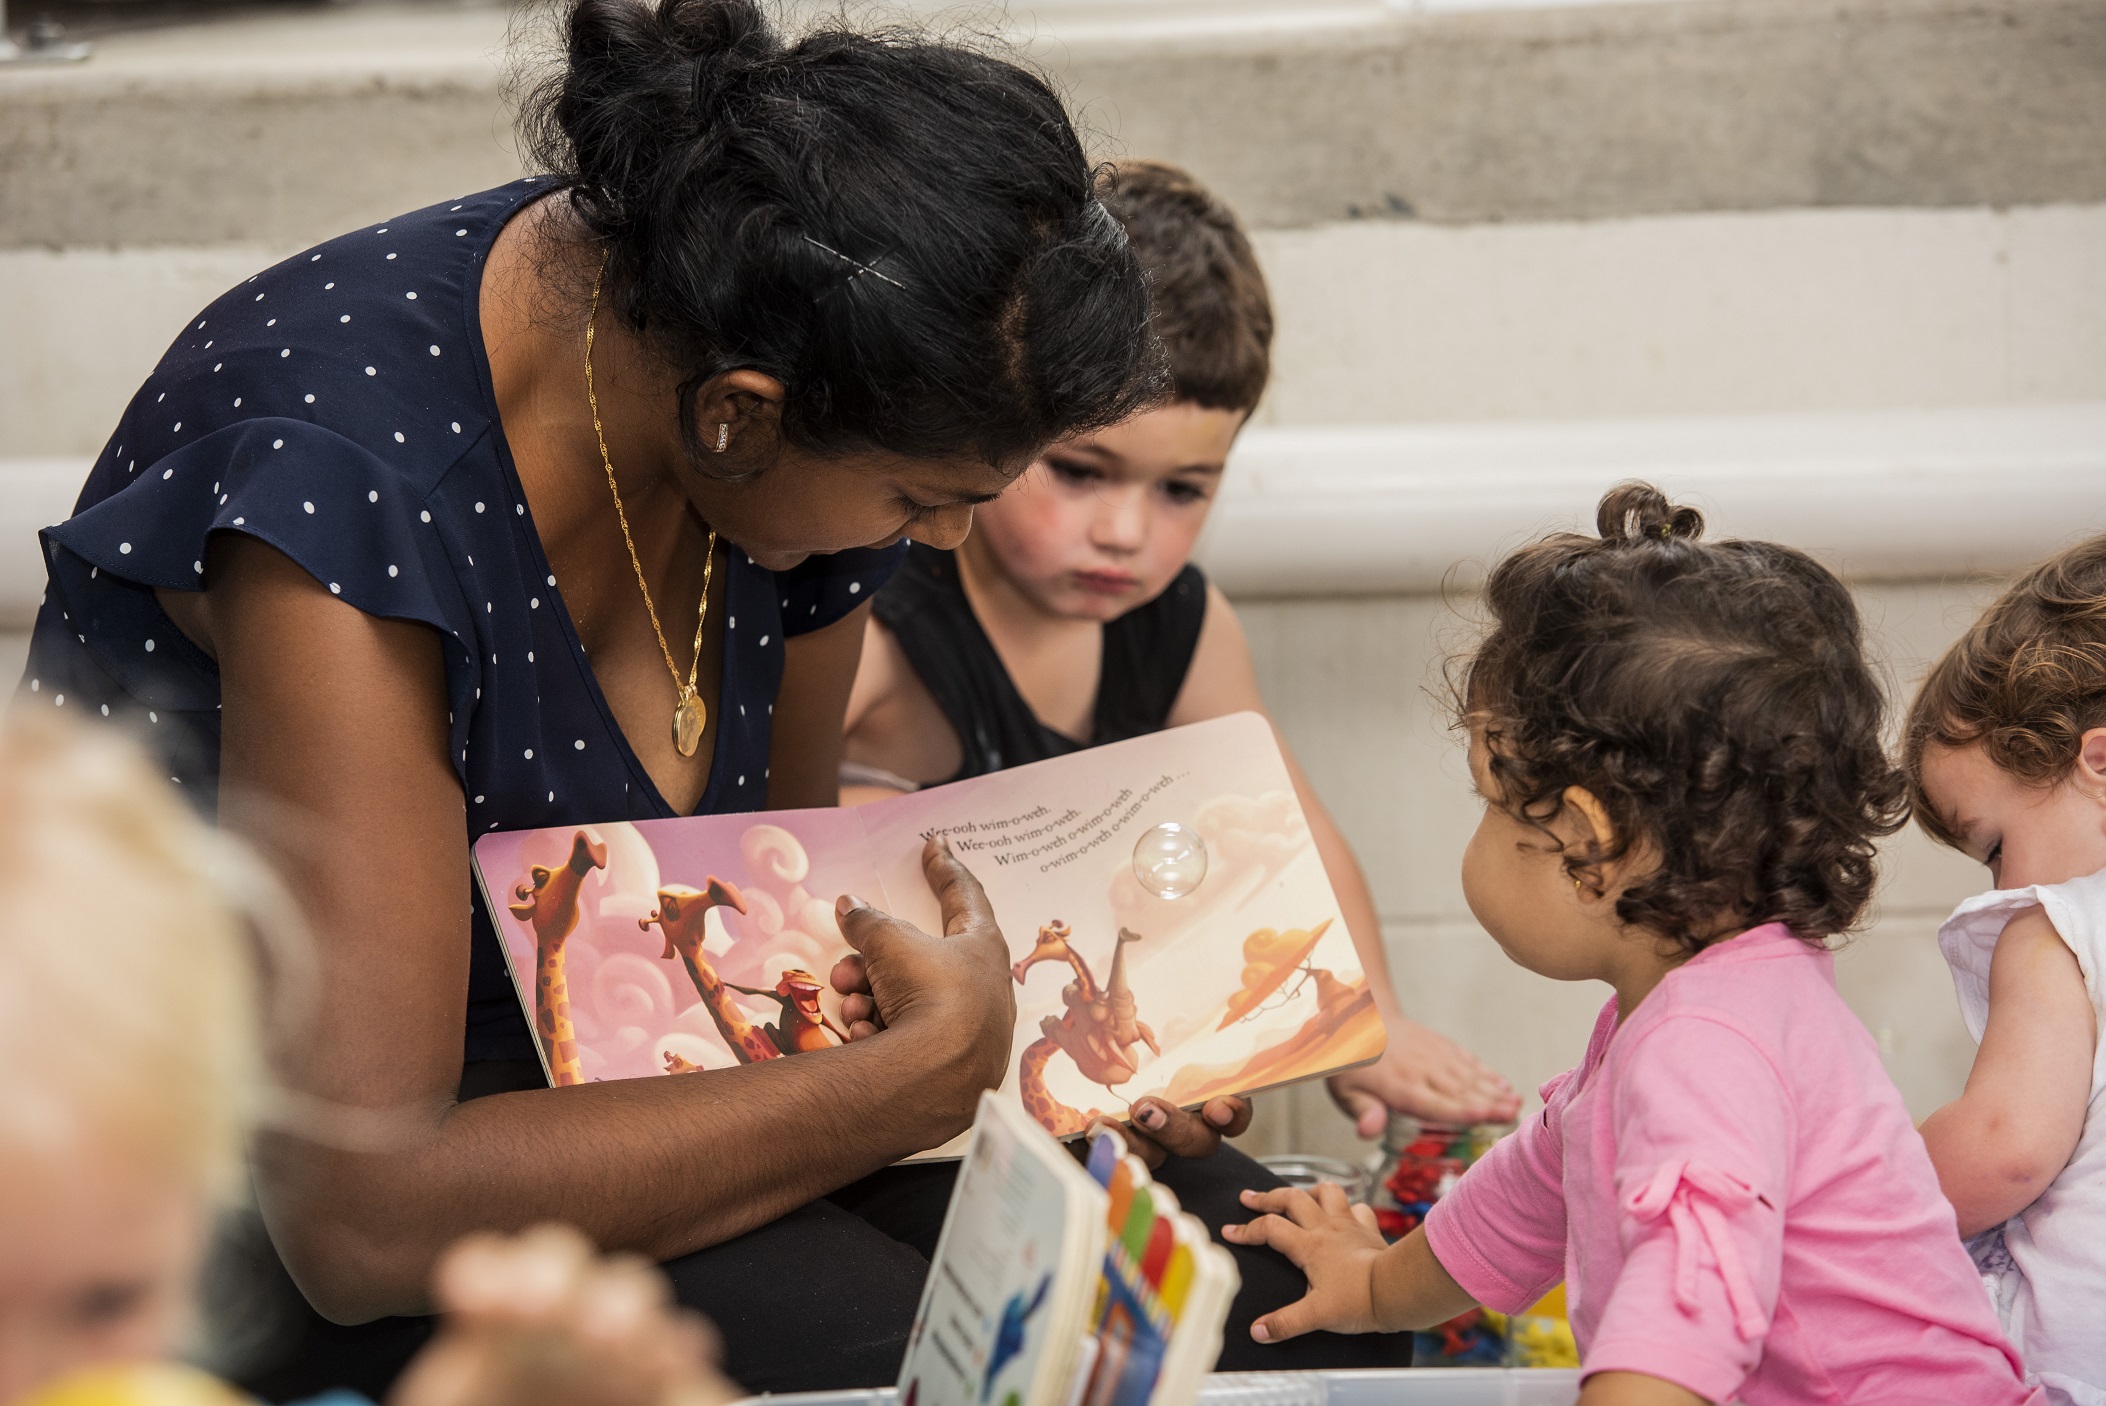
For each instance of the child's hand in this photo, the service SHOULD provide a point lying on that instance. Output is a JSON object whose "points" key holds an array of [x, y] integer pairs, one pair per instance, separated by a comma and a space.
{"points": [[540, 1320], [1333, 1242], [1424, 1073]]}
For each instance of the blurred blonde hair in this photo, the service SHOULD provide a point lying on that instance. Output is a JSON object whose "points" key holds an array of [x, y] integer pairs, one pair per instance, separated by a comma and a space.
{"points": [[129, 1002]]}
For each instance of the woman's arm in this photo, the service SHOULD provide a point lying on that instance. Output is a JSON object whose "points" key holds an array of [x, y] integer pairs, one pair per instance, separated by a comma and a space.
{"points": [[2011, 1132], [334, 762], [1421, 1072]]}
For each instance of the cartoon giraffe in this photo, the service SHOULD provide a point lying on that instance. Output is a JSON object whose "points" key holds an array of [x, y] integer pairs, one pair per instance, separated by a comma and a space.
{"points": [[680, 914], [548, 899], [1098, 1030], [1052, 1115]]}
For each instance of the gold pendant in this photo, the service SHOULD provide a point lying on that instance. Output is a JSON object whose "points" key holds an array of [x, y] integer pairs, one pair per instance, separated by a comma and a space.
{"points": [[689, 717]]}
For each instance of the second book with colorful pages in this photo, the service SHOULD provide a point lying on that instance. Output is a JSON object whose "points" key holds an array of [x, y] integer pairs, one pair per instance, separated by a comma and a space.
{"points": [[1171, 926], [1056, 1285]]}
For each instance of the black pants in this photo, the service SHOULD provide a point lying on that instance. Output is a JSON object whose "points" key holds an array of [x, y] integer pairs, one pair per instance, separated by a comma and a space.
{"points": [[824, 1297]]}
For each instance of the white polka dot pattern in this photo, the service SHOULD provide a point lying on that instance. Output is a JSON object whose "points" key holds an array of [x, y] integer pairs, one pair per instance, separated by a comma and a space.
{"points": [[334, 422]]}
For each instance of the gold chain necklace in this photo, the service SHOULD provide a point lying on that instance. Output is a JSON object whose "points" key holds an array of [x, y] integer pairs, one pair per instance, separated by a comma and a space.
{"points": [[689, 714]]}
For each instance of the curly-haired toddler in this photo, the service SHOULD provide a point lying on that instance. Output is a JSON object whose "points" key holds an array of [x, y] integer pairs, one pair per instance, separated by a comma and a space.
{"points": [[1678, 747], [2006, 753]]}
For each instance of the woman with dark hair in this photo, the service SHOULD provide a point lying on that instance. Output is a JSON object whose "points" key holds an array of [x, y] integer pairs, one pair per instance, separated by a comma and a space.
{"points": [[564, 503]]}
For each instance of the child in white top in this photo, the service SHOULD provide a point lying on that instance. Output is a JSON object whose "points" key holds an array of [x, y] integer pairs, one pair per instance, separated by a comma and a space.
{"points": [[2006, 752], [129, 1032]]}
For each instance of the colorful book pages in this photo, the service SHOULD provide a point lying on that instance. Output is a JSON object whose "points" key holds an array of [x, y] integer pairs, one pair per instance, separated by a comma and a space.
{"points": [[1172, 928], [1165, 1292], [1012, 1288]]}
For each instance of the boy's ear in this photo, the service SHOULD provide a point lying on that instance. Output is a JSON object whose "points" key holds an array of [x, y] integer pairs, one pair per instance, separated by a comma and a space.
{"points": [[2091, 758]]}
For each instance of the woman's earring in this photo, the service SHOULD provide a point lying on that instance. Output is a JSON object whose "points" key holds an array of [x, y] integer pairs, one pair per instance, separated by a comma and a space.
{"points": [[723, 437]]}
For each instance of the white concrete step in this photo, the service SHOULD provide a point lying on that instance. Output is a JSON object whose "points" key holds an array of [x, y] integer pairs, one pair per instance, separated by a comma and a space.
{"points": [[1889, 495], [1409, 509], [289, 128]]}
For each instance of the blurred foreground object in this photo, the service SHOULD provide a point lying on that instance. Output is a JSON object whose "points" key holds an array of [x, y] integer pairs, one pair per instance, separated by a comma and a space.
{"points": [[128, 1028], [138, 1384], [540, 1320]]}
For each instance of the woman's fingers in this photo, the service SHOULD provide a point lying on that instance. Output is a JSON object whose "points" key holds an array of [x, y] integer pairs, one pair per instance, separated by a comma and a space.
{"points": [[1173, 1130], [1230, 1115], [966, 911], [956, 989], [850, 977]]}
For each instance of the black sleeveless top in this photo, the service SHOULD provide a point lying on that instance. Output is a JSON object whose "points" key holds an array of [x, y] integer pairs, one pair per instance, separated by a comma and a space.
{"points": [[1147, 652]]}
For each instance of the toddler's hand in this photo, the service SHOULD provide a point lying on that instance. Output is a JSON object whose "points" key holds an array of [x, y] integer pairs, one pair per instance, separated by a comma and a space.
{"points": [[538, 1319], [1427, 1075], [1333, 1242]]}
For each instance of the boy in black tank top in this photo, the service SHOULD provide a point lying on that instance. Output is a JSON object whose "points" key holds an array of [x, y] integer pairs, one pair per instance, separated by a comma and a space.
{"points": [[1072, 616]]}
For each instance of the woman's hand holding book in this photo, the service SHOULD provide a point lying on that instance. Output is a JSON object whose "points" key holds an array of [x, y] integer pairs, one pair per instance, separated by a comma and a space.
{"points": [[953, 994]]}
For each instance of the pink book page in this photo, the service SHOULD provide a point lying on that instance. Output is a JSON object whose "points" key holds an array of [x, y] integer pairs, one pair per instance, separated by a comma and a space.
{"points": [[1141, 967], [632, 996]]}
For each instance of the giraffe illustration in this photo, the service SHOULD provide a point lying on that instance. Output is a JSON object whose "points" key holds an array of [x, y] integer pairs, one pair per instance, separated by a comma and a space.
{"points": [[548, 899], [1098, 1030], [1052, 1115], [680, 914]]}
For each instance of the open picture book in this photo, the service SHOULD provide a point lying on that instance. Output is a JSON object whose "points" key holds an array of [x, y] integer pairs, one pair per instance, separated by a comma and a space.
{"points": [[1057, 1283], [1172, 929]]}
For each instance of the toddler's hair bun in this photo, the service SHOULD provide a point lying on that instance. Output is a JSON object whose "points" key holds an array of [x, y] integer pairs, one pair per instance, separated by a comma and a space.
{"points": [[1635, 512]]}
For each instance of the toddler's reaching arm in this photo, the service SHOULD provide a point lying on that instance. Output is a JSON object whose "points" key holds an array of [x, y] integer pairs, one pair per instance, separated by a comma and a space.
{"points": [[1357, 1282], [2012, 1130]]}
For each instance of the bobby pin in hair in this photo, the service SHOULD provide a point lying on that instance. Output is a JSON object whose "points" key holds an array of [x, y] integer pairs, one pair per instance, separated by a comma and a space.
{"points": [[859, 265]]}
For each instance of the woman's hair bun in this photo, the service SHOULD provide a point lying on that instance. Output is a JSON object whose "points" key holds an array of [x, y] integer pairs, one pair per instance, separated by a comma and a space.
{"points": [[1636, 512], [903, 231]]}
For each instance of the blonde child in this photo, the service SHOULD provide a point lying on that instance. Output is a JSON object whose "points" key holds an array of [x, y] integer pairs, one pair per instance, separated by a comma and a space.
{"points": [[1073, 615], [2006, 754], [1678, 747], [128, 1030]]}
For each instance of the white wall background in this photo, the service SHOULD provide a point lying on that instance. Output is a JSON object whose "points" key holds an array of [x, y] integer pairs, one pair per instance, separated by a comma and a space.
{"points": [[1917, 393]]}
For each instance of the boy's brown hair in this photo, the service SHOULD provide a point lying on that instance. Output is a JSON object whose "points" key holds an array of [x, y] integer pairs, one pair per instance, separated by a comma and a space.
{"points": [[1714, 696], [1212, 313], [2027, 681]]}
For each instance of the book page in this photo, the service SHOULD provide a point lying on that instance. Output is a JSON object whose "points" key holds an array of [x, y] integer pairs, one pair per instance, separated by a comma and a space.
{"points": [[1248, 980], [641, 998], [1212, 961]]}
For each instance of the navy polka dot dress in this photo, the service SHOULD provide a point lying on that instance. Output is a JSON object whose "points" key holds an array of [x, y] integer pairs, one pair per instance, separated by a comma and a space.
{"points": [[338, 407]]}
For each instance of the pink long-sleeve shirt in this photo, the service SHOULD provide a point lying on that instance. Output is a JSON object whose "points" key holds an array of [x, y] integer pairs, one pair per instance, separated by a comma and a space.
{"points": [[1737, 1202]]}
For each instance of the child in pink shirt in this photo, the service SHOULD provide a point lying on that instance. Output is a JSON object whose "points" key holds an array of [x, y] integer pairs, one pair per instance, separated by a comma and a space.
{"points": [[1678, 745]]}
